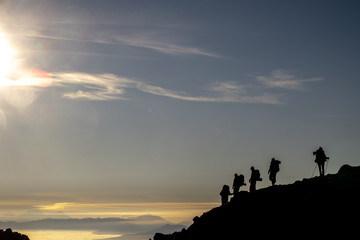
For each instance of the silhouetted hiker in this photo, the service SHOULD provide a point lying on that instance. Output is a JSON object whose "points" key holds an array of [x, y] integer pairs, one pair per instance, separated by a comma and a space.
{"points": [[320, 159], [255, 176], [238, 182], [273, 170], [225, 193]]}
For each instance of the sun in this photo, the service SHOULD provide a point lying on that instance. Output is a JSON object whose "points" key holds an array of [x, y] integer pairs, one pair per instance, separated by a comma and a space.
{"points": [[12, 73], [7, 57]]}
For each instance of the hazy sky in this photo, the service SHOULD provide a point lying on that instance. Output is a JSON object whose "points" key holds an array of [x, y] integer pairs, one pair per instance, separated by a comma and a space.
{"points": [[110, 102]]}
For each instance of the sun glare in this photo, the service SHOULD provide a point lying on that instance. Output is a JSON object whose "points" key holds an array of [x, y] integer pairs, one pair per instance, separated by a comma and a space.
{"points": [[12, 74], [7, 55]]}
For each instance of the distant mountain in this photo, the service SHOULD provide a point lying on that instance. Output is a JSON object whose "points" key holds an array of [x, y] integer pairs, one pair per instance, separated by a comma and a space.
{"points": [[167, 228], [321, 207], [100, 225], [8, 234]]}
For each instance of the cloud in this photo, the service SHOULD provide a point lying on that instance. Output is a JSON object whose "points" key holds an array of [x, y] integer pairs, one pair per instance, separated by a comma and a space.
{"points": [[102, 87], [156, 39], [109, 87], [98, 87], [22, 209], [284, 79], [221, 92], [160, 45], [55, 206], [159, 91]]}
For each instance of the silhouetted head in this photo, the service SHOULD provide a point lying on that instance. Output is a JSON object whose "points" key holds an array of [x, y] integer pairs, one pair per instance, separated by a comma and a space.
{"points": [[273, 159], [235, 175], [320, 148], [252, 168]]}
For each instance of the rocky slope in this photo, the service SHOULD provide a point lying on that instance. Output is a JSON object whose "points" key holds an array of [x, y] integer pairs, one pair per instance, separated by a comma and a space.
{"points": [[8, 234], [311, 208]]}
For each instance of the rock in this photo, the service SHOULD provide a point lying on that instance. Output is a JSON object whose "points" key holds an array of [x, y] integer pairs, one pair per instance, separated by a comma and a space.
{"points": [[8, 234], [320, 207]]}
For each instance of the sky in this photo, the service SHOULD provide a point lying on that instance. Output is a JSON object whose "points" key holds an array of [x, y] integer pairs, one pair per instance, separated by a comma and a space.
{"points": [[115, 107]]}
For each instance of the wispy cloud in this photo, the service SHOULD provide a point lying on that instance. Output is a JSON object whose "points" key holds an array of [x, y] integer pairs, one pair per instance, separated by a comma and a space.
{"points": [[101, 87], [155, 39], [97, 87], [108, 87], [284, 79], [160, 44]]}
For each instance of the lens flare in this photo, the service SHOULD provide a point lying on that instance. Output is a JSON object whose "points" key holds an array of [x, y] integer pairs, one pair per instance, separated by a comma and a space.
{"points": [[7, 55], [18, 83], [13, 74]]}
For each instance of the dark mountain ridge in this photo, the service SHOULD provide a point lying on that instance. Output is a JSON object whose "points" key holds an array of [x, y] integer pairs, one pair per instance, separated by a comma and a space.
{"points": [[319, 207], [8, 234]]}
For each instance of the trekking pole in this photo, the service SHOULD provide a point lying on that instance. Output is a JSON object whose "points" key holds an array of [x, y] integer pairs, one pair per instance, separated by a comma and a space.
{"points": [[314, 171]]}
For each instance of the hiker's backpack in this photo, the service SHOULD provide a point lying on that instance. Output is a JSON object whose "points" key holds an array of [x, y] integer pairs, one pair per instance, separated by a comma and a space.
{"points": [[241, 179], [257, 175], [276, 166]]}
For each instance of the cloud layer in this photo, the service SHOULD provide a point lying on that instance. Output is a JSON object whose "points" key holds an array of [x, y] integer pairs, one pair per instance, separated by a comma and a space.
{"points": [[284, 79], [160, 44], [155, 39], [263, 89], [102, 87]]}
